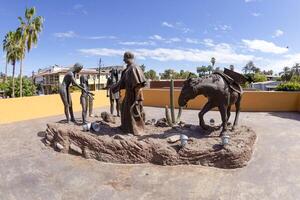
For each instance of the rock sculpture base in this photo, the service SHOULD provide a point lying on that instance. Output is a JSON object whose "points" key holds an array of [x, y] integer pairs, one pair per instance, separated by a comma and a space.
{"points": [[158, 145]]}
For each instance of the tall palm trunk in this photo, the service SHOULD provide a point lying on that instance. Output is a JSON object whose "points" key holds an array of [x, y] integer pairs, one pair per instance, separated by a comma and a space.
{"points": [[21, 75], [5, 78], [13, 80]]}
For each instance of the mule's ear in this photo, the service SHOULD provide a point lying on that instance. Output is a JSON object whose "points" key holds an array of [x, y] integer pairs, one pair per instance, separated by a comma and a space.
{"points": [[190, 75]]}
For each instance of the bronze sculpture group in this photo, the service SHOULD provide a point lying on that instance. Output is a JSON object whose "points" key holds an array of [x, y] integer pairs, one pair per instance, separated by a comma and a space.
{"points": [[64, 91], [221, 88]]}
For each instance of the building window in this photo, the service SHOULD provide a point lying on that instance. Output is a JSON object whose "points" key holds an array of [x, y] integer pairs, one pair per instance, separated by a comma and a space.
{"points": [[56, 79]]}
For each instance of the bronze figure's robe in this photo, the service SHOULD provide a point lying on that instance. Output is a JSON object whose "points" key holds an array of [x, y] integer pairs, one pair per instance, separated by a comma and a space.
{"points": [[132, 112]]}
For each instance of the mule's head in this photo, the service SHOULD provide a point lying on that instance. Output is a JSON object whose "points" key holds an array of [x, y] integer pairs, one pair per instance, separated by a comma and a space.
{"points": [[188, 91]]}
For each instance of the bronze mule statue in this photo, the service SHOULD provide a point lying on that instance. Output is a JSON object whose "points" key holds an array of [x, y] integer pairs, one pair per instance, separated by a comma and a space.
{"points": [[222, 90]]}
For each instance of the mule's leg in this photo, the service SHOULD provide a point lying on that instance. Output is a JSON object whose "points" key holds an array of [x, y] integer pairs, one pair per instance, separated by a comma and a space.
{"points": [[204, 110], [237, 111], [228, 114], [223, 111]]}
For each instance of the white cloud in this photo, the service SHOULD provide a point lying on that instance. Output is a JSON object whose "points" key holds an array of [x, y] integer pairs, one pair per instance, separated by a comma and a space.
{"points": [[166, 40], [101, 37], [178, 26], [192, 41], [223, 52], [166, 24], [72, 34], [80, 8], [286, 60], [278, 33], [208, 42], [68, 34], [146, 43], [156, 37], [256, 14], [264, 46], [223, 27], [175, 39]]}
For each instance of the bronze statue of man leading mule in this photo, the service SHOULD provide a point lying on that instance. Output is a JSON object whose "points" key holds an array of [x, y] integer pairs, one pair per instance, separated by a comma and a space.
{"points": [[222, 90]]}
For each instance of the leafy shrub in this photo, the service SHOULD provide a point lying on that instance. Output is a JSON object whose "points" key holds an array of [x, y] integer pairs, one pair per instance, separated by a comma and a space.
{"points": [[295, 78], [258, 77], [29, 88], [288, 86]]}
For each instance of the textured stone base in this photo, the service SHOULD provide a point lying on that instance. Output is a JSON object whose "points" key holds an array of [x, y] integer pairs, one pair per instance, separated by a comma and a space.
{"points": [[158, 145]]}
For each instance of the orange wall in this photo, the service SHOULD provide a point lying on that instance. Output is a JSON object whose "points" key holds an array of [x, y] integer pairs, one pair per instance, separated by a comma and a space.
{"points": [[25, 108], [18, 109], [251, 101]]}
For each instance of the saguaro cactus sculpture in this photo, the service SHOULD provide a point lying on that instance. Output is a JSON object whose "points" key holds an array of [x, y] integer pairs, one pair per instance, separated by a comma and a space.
{"points": [[172, 120]]}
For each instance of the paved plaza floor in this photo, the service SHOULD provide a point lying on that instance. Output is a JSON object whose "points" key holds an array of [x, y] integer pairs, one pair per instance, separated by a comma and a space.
{"points": [[30, 170]]}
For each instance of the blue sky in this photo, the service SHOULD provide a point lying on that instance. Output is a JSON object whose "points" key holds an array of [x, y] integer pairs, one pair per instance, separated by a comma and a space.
{"points": [[162, 33]]}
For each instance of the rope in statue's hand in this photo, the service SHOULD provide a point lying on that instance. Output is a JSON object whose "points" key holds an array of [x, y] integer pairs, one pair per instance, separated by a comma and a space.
{"points": [[90, 94]]}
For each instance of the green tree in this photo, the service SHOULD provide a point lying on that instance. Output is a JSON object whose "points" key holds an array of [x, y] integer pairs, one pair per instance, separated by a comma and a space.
{"points": [[296, 69], [288, 86], [286, 74], [269, 72], [143, 67], [185, 74], [202, 70], [249, 67], [168, 74], [258, 77], [29, 28], [13, 49], [9, 87], [210, 69], [151, 74]]}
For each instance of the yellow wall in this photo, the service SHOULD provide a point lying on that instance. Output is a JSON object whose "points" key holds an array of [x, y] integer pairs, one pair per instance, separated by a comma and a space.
{"points": [[25, 108], [251, 101], [19, 109]]}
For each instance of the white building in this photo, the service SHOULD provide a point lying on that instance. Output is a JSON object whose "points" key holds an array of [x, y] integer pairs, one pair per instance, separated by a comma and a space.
{"points": [[266, 85], [49, 79]]}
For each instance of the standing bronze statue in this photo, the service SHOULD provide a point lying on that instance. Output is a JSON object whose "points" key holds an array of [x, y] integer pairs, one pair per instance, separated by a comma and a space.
{"points": [[132, 112], [86, 100], [64, 91], [113, 97]]}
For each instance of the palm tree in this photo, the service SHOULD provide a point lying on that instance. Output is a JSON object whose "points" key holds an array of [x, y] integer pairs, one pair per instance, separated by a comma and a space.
{"points": [[6, 44], [249, 67], [202, 70], [210, 69], [296, 69], [286, 73], [29, 29], [213, 61], [13, 49]]}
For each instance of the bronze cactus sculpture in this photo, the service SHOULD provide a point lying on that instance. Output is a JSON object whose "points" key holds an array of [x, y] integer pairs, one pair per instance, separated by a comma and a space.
{"points": [[172, 120]]}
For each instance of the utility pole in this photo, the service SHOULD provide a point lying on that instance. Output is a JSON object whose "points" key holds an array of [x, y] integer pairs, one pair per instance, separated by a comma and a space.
{"points": [[99, 73]]}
